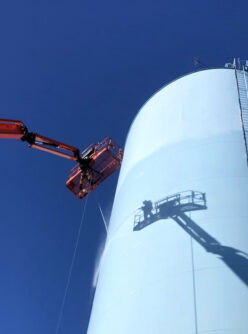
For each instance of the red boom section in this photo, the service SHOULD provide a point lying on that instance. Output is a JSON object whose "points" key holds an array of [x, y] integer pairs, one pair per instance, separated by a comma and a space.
{"points": [[49, 145], [11, 129], [105, 160]]}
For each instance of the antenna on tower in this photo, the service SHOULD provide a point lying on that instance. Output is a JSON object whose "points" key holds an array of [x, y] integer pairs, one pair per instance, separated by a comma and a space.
{"points": [[198, 63]]}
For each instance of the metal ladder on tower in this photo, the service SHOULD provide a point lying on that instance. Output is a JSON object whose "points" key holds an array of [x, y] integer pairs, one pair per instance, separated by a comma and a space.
{"points": [[242, 84]]}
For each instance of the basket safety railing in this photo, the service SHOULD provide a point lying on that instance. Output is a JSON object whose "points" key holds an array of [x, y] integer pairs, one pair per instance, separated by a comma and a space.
{"points": [[108, 144]]}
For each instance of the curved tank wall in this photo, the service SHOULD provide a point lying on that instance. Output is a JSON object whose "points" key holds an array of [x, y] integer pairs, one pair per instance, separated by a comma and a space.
{"points": [[180, 265]]}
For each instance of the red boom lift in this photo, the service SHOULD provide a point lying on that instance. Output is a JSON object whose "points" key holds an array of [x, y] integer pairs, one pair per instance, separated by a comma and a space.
{"points": [[94, 164]]}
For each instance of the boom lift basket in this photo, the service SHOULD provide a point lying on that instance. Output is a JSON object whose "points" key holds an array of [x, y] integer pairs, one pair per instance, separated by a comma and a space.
{"points": [[104, 159]]}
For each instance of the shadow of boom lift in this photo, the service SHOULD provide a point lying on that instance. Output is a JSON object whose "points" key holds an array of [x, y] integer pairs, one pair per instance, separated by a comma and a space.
{"points": [[169, 207], [175, 207]]}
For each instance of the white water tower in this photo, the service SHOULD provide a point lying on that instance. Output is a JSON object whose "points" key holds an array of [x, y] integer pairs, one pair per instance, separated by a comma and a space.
{"points": [[183, 269]]}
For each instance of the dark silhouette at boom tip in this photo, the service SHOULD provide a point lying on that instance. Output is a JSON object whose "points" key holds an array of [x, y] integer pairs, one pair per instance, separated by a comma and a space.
{"points": [[175, 207]]}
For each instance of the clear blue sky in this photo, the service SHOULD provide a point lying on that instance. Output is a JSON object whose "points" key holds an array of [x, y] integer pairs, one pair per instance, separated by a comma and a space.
{"points": [[78, 71]]}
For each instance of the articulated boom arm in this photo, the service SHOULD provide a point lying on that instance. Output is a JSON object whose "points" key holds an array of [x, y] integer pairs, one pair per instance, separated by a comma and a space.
{"points": [[12, 129], [95, 164]]}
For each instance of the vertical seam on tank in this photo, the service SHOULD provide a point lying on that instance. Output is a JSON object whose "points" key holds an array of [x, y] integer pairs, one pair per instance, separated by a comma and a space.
{"points": [[241, 115], [194, 284]]}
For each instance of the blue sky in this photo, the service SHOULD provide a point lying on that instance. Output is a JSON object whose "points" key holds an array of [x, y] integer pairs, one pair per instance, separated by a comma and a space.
{"points": [[78, 71]]}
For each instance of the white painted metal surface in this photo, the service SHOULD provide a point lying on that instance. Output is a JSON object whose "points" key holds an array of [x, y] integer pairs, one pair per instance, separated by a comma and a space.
{"points": [[165, 278]]}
